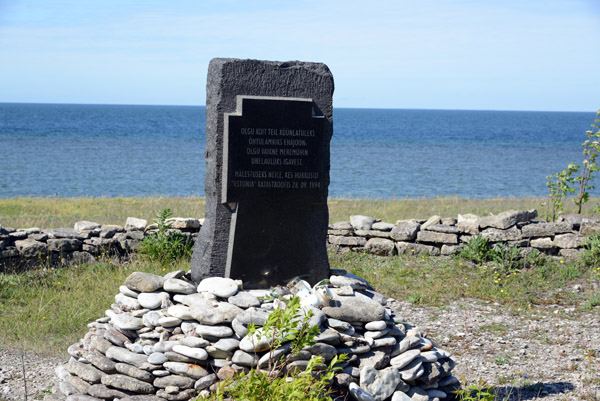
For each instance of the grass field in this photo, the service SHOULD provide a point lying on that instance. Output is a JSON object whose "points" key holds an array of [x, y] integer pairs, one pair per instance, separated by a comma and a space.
{"points": [[64, 212], [48, 309]]}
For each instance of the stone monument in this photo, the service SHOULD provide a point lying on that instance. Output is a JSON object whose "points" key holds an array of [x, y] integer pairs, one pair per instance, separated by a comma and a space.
{"points": [[268, 128]]}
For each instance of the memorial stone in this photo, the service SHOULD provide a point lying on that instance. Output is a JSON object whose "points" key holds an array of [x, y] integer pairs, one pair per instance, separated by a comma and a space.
{"points": [[268, 129]]}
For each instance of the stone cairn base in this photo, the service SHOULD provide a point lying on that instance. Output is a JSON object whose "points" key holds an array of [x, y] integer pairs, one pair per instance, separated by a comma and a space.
{"points": [[165, 338]]}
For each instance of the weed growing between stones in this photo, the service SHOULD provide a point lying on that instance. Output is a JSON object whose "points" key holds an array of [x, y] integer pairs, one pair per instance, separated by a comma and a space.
{"points": [[164, 245], [476, 392], [505, 259], [289, 324], [477, 249]]}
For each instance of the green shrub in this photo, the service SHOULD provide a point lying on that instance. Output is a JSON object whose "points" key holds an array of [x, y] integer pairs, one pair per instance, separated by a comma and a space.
{"points": [[506, 258], [165, 246], [591, 254], [287, 324], [477, 249]]}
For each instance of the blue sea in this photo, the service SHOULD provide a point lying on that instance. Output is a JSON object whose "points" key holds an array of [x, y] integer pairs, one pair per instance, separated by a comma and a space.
{"points": [[118, 150]]}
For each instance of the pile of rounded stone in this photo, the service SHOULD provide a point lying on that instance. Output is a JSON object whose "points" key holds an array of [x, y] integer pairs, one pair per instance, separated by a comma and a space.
{"points": [[166, 338]]}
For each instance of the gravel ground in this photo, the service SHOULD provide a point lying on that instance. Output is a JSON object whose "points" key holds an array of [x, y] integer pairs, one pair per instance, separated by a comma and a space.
{"points": [[546, 353]]}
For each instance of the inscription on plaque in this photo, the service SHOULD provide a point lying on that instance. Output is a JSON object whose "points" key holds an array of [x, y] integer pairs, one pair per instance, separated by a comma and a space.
{"points": [[274, 147]]}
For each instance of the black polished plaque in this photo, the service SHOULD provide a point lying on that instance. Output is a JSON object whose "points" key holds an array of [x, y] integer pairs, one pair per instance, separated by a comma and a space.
{"points": [[274, 148]]}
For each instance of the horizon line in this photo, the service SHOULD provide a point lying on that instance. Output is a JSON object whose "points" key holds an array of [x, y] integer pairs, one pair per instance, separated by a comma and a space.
{"points": [[335, 107]]}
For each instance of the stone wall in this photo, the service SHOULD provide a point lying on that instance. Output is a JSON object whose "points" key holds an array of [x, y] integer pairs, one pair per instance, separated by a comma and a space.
{"points": [[88, 241], [85, 242], [445, 236]]}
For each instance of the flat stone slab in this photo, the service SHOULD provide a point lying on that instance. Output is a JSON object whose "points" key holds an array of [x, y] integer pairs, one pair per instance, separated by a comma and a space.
{"points": [[357, 308]]}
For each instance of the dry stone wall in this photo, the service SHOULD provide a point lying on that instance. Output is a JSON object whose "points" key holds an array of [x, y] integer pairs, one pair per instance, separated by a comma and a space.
{"points": [[88, 241], [84, 243], [445, 236]]}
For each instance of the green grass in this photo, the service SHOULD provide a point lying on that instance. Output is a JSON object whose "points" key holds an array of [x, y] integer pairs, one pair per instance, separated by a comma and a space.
{"points": [[424, 280], [48, 309], [64, 212]]}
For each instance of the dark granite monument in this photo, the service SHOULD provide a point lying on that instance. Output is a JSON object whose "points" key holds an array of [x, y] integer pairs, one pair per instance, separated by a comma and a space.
{"points": [[268, 128]]}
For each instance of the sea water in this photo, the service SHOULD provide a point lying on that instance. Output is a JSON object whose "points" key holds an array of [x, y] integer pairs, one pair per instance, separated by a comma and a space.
{"points": [[121, 150]]}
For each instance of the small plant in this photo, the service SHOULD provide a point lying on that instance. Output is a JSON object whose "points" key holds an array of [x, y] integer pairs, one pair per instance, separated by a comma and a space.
{"points": [[506, 258], [591, 148], [287, 324], [591, 253], [476, 392], [164, 245], [560, 185], [592, 302], [535, 258], [477, 249], [415, 299]]}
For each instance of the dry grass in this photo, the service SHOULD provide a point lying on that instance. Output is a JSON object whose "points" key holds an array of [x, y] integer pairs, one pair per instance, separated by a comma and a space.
{"points": [[64, 212]]}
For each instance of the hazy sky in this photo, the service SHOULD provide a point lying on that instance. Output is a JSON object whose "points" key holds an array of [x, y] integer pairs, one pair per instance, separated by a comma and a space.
{"points": [[435, 54]]}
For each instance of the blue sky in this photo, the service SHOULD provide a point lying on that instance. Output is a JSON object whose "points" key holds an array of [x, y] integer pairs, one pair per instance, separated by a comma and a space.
{"points": [[433, 54]]}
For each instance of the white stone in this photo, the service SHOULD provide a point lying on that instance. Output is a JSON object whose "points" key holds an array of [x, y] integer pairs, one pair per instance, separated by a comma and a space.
{"points": [[195, 342], [227, 344], [126, 301], [430, 356], [220, 286], [126, 291], [213, 331], [86, 226], [134, 224], [359, 394], [157, 358], [151, 319], [135, 347], [179, 286], [180, 311], [400, 396], [194, 353], [151, 300], [381, 384], [377, 325], [183, 222], [164, 346], [405, 358], [124, 355], [186, 369], [125, 321], [161, 373], [175, 274], [169, 321], [382, 226], [360, 222]]}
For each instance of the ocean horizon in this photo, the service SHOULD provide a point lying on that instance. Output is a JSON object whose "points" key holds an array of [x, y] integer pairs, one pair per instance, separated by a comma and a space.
{"points": [[73, 150]]}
